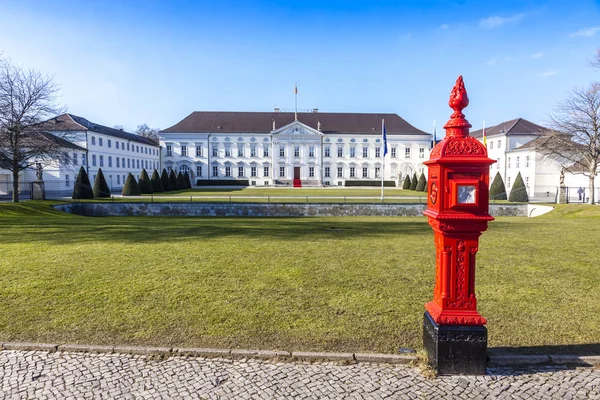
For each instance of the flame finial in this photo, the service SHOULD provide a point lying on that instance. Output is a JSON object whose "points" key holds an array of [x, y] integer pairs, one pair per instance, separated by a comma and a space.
{"points": [[458, 98]]}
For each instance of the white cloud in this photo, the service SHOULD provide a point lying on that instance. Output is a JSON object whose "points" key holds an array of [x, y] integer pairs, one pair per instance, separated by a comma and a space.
{"points": [[539, 54], [547, 74], [495, 22], [586, 31], [491, 61]]}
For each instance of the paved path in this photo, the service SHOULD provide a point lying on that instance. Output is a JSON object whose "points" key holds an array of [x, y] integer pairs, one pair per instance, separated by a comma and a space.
{"points": [[37, 374]]}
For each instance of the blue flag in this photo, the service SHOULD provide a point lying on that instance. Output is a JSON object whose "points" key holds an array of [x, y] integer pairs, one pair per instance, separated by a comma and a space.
{"points": [[384, 137]]}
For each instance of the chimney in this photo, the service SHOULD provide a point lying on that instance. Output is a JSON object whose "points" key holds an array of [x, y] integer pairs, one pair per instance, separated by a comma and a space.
{"points": [[315, 110], [276, 109]]}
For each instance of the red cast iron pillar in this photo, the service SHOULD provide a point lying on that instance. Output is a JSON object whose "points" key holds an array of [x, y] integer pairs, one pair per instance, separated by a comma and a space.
{"points": [[454, 334]]}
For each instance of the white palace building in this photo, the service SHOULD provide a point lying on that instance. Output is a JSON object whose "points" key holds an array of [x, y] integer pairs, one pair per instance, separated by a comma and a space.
{"points": [[285, 148]]}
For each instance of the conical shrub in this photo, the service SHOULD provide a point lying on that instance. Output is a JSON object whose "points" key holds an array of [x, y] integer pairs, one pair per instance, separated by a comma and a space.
{"points": [[422, 184], [101, 189], [181, 185], [82, 188], [173, 180], [414, 181], [164, 180], [518, 193], [157, 186], [144, 183], [498, 189], [131, 187], [186, 178], [406, 184]]}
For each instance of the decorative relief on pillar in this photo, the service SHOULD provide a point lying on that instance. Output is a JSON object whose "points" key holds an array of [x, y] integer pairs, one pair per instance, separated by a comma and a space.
{"points": [[436, 151], [437, 297], [451, 320], [463, 146], [460, 300]]}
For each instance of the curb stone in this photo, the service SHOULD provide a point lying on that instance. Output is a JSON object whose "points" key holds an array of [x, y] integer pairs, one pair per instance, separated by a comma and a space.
{"points": [[86, 348], [259, 353], [317, 356], [140, 350], [202, 352], [385, 358], [509, 360], [590, 361], [49, 347]]}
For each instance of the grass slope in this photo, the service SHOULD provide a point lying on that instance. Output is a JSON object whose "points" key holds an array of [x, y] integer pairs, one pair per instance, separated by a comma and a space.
{"points": [[336, 284]]}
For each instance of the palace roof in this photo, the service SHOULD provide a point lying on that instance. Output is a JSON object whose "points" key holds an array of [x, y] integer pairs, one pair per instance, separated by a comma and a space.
{"points": [[519, 126], [262, 122]]}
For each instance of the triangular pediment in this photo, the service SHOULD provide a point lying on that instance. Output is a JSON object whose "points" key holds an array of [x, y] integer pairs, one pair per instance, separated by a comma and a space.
{"points": [[297, 128]]}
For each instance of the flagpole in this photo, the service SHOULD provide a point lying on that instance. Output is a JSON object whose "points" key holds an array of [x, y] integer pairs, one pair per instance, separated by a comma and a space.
{"points": [[484, 136], [434, 141], [295, 102], [383, 147]]}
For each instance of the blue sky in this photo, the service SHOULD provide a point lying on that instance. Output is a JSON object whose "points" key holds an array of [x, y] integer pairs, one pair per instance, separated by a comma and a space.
{"points": [[132, 62]]}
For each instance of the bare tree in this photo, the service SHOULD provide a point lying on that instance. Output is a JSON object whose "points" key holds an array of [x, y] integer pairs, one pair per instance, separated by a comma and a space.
{"points": [[595, 62], [575, 140], [145, 131], [27, 98]]}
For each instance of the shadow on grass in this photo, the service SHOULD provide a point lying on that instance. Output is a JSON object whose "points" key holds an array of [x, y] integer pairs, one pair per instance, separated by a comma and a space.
{"points": [[156, 229]]}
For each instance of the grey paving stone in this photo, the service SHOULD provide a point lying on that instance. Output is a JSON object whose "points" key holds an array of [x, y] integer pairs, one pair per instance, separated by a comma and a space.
{"points": [[516, 360], [317, 356], [30, 346], [142, 350], [85, 348], [202, 352], [259, 353]]}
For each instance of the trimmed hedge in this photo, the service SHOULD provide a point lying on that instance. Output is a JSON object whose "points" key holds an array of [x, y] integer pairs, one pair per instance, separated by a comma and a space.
{"points": [[222, 182], [181, 185], [422, 184], [101, 189], [518, 193], [164, 179], [186, 178], [173, 180], [157, 186], [131, 187], [406, 184], [82, 188], [498, 189], [413, 182], [369, 183], [144, 183]]}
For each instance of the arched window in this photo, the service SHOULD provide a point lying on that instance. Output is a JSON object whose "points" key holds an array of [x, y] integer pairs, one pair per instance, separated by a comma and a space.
{"points": [[183, 168]]}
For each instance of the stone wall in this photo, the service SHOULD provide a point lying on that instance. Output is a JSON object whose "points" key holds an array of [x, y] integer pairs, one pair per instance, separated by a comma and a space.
{"points": [[262, 210]]}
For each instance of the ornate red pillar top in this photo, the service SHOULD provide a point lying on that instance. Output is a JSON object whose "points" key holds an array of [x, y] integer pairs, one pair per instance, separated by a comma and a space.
{"points": [[458, 126]]}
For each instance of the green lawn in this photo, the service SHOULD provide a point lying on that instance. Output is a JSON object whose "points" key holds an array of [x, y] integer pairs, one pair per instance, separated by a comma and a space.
{"points": [[336, 284]]}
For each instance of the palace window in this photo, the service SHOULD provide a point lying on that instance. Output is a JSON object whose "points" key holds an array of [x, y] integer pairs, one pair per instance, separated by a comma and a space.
{"points": [[240, 150], [198, 170], [253, 150], [421, 152], [365, 152], [93, 140], [118, 162], [352, 152], [99, 141], [74, 158], [378, 172], [499, 143], [215, 171], [527, 162], [327, 172], [311, 172], [127, 146], [491, 144], [265, 171], [365, 172], [252, 171], [508, 163], [227, 151], [282, 171], [266, 150], [340, 151], [67, 184], [311, 151], [327, 151], [296, 151], [128, 163], [407, 152], [517, 162], [169, 150], [118, 178], [281, 151], [215, 151], [198, 150], [109, 143], [240, 171], [340, 172], [109, 162], [377, 152], [352, 172], [184, 151], [393, 152], [138, 164], [101, 161], [228, 171], [83, 161]]}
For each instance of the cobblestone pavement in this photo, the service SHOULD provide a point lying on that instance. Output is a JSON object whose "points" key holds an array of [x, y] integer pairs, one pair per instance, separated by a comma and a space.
{"points": [[37, 374]]}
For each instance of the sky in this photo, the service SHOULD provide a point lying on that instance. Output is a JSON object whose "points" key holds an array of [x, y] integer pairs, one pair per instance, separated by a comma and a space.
{"points": [[132, 62]]}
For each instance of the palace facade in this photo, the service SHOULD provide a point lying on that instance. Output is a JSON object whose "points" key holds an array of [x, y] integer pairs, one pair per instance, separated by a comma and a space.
{"points": [[280, 148]]}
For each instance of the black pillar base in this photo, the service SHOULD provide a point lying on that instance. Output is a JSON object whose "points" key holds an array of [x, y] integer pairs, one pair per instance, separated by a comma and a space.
{"points": [[455, 349]]}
